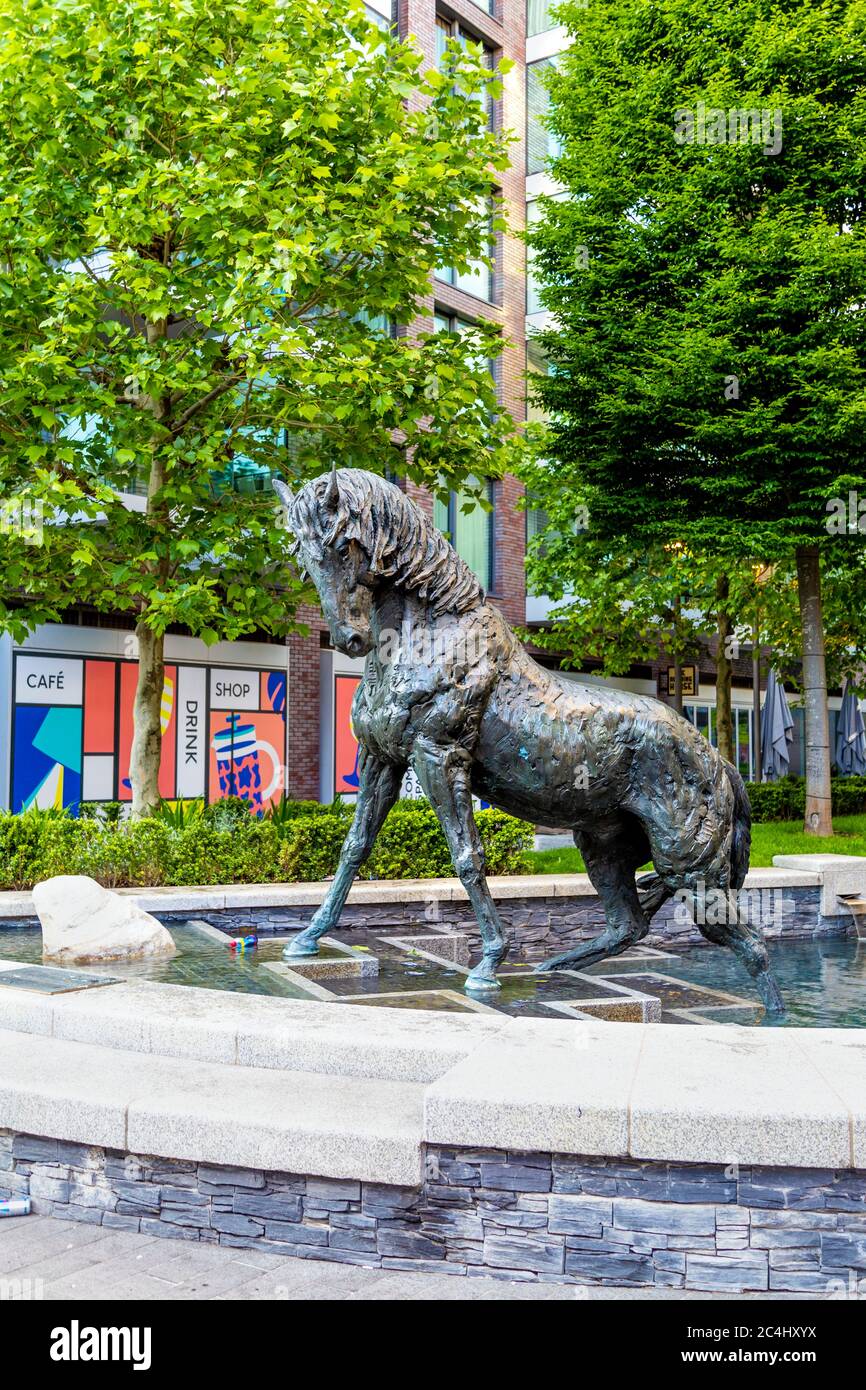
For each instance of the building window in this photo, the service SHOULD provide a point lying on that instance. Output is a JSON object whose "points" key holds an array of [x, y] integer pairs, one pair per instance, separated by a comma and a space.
{"points": [[479, 278], [449, 29], [537, 523], [452, 323], [541, 144], [470, 532], [376, 17], [533, 289], [704, 719], [537, 364], [538, 16]]}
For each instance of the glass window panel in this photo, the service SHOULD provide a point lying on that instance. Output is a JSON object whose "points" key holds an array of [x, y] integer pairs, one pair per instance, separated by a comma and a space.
{"points": [[471, 533], [443, 34], [536, 365], [533, 295], [541, 144], [376, 18], [538, 16], [473, 536], [477, 280]]}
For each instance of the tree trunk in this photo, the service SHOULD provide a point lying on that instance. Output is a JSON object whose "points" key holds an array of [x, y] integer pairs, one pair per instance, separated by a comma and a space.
{"points": [[818, 804], [146, 754], [724, 674], [147, 737]]}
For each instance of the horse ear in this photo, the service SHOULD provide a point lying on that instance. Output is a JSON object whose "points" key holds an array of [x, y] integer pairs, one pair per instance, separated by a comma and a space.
{"points": [[331, 498], [284, 494]]}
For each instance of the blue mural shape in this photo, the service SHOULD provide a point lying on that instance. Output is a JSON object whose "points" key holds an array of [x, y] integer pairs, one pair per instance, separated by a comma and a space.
{"points": [[276, 688], [47, 757]]}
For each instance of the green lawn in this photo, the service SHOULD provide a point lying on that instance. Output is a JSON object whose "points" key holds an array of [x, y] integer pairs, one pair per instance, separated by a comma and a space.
{"points": [[768, 838]]}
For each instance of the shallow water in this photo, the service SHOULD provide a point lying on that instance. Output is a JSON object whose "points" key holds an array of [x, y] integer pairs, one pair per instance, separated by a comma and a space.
{"points": [[200, 961], [823, 982]]}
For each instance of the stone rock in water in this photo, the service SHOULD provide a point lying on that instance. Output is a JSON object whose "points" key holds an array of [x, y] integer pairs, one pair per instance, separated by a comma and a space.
{"points": [[82, 921]]}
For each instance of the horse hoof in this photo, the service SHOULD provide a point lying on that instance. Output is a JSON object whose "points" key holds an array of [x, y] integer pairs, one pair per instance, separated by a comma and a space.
{"points": [[481, 981], [774, 1004], [299, 948]]}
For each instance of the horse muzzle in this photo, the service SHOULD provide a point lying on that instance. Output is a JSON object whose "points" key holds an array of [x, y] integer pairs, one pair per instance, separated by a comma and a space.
{"points": [[352, 643]]}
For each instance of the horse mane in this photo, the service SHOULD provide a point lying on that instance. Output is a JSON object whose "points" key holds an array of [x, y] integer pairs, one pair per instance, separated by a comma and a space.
{"points": [[400, 543]]}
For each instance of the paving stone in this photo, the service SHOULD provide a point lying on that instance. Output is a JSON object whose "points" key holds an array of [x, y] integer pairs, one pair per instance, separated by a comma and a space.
{"points": [[325, 1190], [352, 1240], [664, 1216], [184, 1216], [210, 1177], [236, 1225], [767, 1237], [296, 1233]]}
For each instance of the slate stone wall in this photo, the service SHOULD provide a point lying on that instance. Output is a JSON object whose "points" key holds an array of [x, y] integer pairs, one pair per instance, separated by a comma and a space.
{"points": [[518, 1216], [538, 927]]}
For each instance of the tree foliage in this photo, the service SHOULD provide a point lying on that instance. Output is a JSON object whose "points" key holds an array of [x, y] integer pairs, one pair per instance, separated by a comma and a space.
{"points": [[211, 218], [708, 276]]}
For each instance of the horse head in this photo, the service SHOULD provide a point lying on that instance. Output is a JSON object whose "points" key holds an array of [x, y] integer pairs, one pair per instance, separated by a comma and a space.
{"points": [[329, 548]]}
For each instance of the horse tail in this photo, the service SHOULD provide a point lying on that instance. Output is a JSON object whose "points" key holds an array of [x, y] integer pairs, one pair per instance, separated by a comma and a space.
{"points": [[741, 839]]}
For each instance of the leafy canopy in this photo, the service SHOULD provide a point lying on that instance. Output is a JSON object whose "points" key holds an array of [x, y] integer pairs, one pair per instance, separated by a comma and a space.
{"points": [[709, 361], [212, 218]]}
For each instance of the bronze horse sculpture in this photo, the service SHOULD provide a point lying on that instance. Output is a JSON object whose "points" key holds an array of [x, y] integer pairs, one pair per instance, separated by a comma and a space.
{"points": [[449, 691]]}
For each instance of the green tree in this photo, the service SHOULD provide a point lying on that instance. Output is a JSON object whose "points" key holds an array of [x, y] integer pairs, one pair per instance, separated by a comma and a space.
{"points": [[213, 220], [708, 276]]}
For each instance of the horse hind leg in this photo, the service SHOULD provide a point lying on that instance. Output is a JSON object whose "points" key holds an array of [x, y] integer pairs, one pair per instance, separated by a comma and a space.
{"points": [[653, 893], [747, 943], [611, 854]]}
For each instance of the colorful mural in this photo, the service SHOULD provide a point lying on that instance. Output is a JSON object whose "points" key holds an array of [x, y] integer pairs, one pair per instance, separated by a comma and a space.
{"points": [[345, 743], [73, 725]]}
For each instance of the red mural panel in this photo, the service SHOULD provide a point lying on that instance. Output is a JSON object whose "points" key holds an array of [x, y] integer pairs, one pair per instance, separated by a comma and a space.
{"points": [[168, 719], [345, 743], [99, 686]]}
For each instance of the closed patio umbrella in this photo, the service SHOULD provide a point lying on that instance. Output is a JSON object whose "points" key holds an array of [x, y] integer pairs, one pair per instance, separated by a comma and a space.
{"points": [[777, 731], [850, 735]]}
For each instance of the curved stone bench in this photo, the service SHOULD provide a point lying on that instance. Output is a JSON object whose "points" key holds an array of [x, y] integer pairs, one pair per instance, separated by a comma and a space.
{"points": [[246, 1117]]}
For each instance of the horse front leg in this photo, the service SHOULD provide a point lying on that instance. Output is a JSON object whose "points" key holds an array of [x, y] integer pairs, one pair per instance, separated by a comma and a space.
{"points": [[378, 789], [443, 772]]}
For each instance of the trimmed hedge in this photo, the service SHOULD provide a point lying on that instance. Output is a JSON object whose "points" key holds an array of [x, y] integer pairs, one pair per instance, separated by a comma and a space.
{"points": [[786, 799], [209, 850]]}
